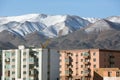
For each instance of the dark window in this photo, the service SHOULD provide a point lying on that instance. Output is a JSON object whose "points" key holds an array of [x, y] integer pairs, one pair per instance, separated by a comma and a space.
{"points": [[81, 66], [81, 60], [13, 72], [109, 74], [94, 66], [13, 78], [94, 54], [24, 78], [13, 60], [24, 66], [117, 74], [94, 59], [81, 72], [81, 54], [24, 72]]}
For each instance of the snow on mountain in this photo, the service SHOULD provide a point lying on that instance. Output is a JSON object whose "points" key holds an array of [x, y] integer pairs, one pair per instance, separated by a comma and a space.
{"points": [[92, 20], [102, 25], [114, 19], [48, 25]]}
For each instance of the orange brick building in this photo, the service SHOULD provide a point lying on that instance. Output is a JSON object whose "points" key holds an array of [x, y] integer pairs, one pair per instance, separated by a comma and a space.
{"points": [[80, 64], [107, 74]]}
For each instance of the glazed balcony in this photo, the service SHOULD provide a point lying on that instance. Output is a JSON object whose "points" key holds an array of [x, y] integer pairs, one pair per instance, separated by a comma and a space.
{"points": [[31, 60], [86, 55], [68, 60], [86, 73]]}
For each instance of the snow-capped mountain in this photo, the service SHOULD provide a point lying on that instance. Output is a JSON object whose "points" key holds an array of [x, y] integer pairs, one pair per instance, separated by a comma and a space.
{"points": [[91, 20], [48, 25], [34, 29]]}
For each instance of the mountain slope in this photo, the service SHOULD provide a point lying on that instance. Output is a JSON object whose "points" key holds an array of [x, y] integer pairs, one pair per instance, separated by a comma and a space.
{"points": [[102, 34]]}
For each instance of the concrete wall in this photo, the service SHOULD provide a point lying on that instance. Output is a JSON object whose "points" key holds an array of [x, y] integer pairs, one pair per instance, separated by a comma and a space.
{"points": [[44, 65], [54, 64]]}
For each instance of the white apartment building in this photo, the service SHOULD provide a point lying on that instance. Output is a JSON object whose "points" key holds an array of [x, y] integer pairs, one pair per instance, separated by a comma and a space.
{"points": [[30, 64]]}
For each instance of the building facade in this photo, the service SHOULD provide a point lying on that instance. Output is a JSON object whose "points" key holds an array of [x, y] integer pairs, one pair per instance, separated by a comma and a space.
{"points": [[30, 64], [107, 74], [80, 64]]}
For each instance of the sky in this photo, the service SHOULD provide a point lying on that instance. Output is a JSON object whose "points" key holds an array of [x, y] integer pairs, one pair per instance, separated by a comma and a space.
{"points": [[82, 8]]}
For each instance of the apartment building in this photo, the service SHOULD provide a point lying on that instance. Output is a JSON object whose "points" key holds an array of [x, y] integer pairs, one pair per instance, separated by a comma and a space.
{"points": [[30, 64], [107, 74], [80, 64]]}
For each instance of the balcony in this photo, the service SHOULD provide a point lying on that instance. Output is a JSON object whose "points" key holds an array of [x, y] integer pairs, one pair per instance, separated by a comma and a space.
{"points": [[68, 60], [33, 72], [7, 66], [86, 72], [86, 55], [31, 78], [31, 60], [7, 60], [33, 53], [86, 61], [68, 72]]}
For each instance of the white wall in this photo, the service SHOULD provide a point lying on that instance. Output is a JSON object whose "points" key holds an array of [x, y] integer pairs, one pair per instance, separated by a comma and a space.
{"points": [[111, 78]]}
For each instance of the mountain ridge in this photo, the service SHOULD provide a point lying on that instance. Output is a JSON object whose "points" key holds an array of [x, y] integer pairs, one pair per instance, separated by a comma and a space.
{"points": [[64, 31]]}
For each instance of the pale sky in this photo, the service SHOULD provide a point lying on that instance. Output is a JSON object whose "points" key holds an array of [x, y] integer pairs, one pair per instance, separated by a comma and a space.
{"points": [[82, 8]]}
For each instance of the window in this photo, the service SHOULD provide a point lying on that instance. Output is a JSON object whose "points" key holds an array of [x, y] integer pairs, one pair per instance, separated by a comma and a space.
{"points": [[81, 60], [60, 72], [117, 74], [31, 59], [7, 66], [24, 78], [13, 60], [94, 54], [81, 54], [94, 66], [7, 78], [109, 74], [76, 55], [24, 53], [13, 54], [94, 59], [13, 78], [24, 72], [13, 66], [66, 71], [7, 54], [81, 72], [24, 59], [71, 54], [112, 65], [24, 66], [81, 66], [13, 72]]}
